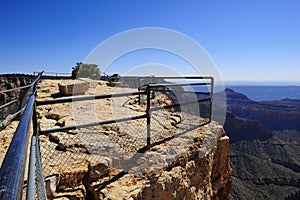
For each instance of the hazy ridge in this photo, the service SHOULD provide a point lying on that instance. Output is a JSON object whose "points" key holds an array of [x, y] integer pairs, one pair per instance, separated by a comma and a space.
{"points": [[265, 146]]}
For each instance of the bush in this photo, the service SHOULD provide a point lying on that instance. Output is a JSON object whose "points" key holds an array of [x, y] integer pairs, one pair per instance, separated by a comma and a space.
{"points": [[84, 70]]}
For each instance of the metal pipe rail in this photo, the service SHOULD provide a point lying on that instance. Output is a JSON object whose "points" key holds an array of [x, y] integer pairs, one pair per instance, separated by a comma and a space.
{"points": [[170, 77], [17, 101], [9, 103], [181, 91], [13, 166], [25, 86], [146, 90], [86, 125], [176, 84], [18, 88], [168, 84], [85, 98], [53, 73], [178, 104]]}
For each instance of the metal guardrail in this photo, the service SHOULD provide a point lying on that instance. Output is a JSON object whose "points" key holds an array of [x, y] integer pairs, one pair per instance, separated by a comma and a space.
{"points": [[10, 110], [54, 73], [143, 90], [13, 167]]}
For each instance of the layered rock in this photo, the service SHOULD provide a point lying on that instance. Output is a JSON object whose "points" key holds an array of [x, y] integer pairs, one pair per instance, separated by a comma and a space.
{"points": [[265, 162], [273, 115], [10, 81], [200, 171]]}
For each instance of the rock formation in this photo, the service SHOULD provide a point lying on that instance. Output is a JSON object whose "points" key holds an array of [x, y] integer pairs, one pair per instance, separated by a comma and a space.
{"points": [[264, 157], [13, 100], [274, 115], [75, 87], [10, 81], [110, 162]]}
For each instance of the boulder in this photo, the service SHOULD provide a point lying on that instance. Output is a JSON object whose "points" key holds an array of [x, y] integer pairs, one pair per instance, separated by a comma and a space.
{"points": [[73, 87]]}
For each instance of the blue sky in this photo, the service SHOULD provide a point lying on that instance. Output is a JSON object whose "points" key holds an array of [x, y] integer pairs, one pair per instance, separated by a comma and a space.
{"points": [[248, 40]]}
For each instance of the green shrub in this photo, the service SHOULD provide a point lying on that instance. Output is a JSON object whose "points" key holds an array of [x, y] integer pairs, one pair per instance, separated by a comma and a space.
{"points": [[84, 70]]}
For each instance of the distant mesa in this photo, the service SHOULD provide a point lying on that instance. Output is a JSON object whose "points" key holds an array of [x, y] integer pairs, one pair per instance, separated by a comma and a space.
{"points": [[273, 115], [243, 129], [232, 95]]}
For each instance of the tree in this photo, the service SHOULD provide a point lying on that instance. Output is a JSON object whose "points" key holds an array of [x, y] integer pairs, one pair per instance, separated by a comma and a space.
{"points": [[85, 70]]}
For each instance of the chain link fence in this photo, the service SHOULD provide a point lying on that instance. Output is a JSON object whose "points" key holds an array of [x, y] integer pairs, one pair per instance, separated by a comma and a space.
{"points": [[14, 165], [13, 102], [69, 152]]}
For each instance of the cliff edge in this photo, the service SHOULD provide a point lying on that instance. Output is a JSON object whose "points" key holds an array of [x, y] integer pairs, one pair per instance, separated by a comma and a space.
{"points": [[186, 161]]}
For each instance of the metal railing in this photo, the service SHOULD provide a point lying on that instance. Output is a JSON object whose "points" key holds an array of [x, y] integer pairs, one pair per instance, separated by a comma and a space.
{"points": [[13, 167], [11, 109], [143, 90], [14, 164], [85, 98], [55, 75]]}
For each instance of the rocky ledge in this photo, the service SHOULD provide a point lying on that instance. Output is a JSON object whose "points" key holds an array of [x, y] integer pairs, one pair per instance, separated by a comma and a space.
{"points": [[186, 161], [201, 172]]}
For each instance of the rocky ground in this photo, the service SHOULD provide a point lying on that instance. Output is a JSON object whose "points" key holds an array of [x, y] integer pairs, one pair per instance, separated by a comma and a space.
{"points": [[111, 161]]}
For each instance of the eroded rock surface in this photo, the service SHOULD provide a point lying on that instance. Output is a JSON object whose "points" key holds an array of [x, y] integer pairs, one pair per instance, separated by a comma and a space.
{"points": [[111, 162]]}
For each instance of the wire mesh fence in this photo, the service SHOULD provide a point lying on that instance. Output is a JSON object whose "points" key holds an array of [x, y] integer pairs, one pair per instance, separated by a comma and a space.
{"points": [[13, 167], [70, 152], [67, 151], [115, 133], [13, 102]]}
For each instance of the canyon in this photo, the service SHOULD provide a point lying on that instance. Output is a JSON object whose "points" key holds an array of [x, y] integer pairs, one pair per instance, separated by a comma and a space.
{"points": [[265, 151]]}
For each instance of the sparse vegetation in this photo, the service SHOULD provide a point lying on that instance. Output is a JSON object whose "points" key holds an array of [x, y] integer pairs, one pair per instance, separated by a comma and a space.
{"points": [[38, 115], [115, 77], [85, 70]]}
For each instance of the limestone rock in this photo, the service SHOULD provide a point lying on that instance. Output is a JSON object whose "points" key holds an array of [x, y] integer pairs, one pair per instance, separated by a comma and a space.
{"points": [[51, 184], [53, 115], [72, 88], [61, 147], [181, 165], [53, 138], [46, 123], [92, 83]]}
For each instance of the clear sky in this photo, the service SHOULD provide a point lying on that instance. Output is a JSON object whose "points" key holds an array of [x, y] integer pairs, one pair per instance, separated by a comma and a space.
{"points": [[247, 39]]}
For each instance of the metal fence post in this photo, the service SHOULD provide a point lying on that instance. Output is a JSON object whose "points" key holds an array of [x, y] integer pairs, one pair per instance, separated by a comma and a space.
{"points": [[31, 172], [211, 98], [139, 89], [148, 113]]}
